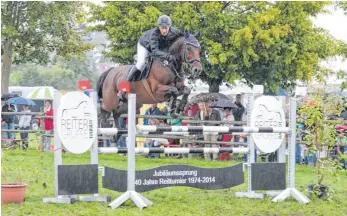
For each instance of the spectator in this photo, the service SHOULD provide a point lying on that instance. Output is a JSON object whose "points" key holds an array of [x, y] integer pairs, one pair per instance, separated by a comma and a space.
{"points": [[165, 110], [152, 142], [121, 143], [7, 121], [238, 113], [153, 110], [122, 139], [190, 111], [175, 122], [48, 127], [138, 112], [227, 137], [24, 124], [207, 113]]}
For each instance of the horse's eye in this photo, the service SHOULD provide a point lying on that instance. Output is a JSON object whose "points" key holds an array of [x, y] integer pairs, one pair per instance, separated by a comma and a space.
{"points": [[190, 49]]}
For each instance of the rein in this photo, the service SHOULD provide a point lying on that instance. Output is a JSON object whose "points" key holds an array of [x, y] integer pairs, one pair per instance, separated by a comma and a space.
{"points": [[185, 58]]}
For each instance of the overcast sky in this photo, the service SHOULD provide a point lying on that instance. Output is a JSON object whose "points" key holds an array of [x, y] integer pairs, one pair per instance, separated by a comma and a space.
{"points": [[336, 24]]}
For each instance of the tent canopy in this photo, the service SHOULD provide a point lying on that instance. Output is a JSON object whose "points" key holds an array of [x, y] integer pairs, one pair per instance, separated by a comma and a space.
{"points": [[44, 92]]}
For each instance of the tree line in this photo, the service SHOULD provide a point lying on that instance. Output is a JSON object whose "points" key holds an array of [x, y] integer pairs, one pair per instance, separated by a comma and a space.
{"points": [[273, 44]]}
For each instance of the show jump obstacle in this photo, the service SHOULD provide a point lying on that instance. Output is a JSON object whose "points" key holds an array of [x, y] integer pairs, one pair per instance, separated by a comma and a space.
{"points": [[76, 128]]}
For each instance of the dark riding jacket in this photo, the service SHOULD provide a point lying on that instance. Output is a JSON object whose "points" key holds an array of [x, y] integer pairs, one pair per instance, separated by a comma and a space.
{"points": [[8, 118], [155, 43]]}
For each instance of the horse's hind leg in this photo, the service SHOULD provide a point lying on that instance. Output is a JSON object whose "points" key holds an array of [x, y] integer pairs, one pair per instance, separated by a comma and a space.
{"points": [[116, 116], [103, 117], [119, 124]]}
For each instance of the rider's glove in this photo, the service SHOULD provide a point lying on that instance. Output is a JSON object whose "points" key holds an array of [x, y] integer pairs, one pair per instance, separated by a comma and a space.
{"points": [[171, 58]]}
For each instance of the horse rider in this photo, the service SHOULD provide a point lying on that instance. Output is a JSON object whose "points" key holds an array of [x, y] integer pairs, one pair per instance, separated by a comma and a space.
{"points": [[154, 41]]}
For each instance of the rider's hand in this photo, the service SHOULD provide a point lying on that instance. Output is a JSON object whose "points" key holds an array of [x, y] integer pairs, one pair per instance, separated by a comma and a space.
{"points": [[171, 58]]}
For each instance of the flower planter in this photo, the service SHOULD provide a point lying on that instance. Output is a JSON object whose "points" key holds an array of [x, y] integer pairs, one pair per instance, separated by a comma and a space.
{"points": [[324, 190], [12, 192]]}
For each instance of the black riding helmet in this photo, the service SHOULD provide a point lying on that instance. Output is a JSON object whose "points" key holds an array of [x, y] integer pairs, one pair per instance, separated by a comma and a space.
{"points": [[164, 21]]}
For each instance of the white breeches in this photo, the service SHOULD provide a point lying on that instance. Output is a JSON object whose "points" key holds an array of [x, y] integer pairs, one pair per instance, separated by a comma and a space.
{"points": [[142, 55]]}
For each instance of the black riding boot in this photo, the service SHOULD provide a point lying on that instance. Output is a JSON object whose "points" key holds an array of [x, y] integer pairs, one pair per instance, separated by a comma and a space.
{"points": [[132, 73]]}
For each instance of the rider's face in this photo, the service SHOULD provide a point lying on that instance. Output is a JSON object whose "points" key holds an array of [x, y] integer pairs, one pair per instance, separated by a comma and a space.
{"points": [[164, 30]]}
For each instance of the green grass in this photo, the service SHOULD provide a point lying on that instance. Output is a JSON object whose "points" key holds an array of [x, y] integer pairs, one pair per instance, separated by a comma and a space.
{"points": [[36, 168]]}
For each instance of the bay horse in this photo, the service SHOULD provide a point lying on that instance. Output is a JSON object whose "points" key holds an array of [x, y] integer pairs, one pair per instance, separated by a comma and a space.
{"points": [[165, 80]]}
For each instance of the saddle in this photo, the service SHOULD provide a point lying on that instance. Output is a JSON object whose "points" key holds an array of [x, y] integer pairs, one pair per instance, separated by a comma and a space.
{"points": [[145, 73]]}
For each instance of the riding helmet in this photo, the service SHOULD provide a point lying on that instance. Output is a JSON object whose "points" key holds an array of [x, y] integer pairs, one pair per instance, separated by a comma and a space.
{"points": [[164, 21]]}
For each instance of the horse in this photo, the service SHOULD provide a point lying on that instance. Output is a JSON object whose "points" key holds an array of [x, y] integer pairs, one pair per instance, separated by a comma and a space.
{"points": [[165, 80]]}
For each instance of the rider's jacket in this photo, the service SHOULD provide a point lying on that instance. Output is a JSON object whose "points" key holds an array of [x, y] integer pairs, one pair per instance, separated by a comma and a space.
{"points": [[155, 43]]}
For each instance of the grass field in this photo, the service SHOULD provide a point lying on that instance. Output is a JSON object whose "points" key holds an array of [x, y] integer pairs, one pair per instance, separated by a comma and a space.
{"points": [[36, 169]]}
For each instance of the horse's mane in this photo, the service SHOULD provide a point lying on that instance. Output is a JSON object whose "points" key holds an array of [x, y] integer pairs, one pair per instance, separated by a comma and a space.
{"points": [[176, 46]]}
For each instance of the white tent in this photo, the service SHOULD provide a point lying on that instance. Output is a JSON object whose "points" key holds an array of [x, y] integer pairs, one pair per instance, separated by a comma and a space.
{"points": [[200, 87]]}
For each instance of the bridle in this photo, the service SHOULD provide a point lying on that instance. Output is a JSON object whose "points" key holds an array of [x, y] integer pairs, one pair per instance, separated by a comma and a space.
{"points": [[191, 61], [188, 61]]}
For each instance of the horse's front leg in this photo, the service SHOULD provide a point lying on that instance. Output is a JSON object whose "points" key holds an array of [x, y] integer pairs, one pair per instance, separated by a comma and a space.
{"points": [[167, 92], [185, 91], [182, 90]]}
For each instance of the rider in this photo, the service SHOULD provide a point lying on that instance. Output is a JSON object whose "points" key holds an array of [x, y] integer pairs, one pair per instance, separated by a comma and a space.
{"points": [[154, 41]]}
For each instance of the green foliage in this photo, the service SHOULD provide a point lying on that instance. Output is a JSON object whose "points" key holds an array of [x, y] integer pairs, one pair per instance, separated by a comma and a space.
{"points": [[37, 29], [33, 30], [320, 133], [343, 6], [63, 74], [273, 44]]}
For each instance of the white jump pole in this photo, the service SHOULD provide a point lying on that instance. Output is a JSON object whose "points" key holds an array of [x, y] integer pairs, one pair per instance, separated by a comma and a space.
{"points": [[291, 191], [139, 200]]}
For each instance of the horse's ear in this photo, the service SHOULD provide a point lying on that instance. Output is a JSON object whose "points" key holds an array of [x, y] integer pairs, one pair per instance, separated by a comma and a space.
{"points": [[186, 33], [198, 34]]}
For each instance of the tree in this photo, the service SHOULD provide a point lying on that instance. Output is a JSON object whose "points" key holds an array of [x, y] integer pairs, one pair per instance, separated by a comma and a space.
{"points": [[273, 44], [62, 74], [31, 31], [343, 6]]}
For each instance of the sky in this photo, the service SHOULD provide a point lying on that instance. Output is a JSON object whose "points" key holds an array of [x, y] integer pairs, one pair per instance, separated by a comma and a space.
{"points": [[336, 24]]}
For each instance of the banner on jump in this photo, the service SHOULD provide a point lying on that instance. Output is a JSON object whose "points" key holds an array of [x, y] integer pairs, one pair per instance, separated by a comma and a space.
{"points": [[175, 175]]}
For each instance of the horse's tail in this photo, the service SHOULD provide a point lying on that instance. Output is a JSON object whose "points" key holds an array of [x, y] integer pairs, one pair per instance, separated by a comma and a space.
{"points": [[101, 82]]}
